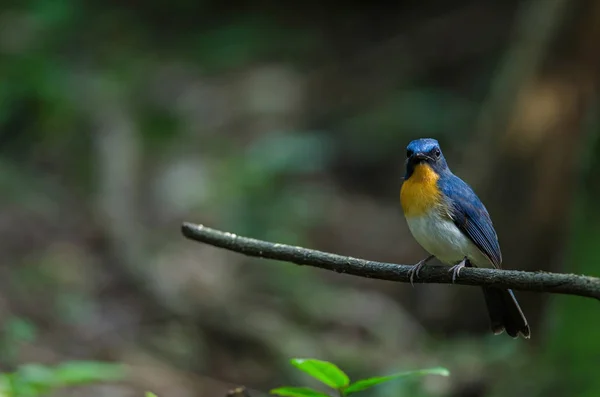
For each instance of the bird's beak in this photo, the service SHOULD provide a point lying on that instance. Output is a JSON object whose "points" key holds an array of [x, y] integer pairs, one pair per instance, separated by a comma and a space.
{"points": [[418, 157]]}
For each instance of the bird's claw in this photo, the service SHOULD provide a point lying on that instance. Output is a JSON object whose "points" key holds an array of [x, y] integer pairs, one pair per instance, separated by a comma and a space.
{"points": [[457, 268], [414, 271]]}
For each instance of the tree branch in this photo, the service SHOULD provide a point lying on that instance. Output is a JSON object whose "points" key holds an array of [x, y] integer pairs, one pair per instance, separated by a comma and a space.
{"points": [[557, 283]]}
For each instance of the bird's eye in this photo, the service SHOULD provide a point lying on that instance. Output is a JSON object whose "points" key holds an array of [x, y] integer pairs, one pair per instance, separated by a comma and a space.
{"points": [[437, 152], [409, 153]]}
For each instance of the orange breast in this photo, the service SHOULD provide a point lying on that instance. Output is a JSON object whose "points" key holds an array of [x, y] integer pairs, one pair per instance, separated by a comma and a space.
{"points": [[419, 193]]}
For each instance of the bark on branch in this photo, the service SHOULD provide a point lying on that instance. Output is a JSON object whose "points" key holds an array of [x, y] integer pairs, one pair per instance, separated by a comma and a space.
{"points": [[556, 283]]}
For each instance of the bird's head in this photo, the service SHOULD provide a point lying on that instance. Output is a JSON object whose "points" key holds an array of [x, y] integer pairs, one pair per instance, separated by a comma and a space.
{"points": [[425, 151]]}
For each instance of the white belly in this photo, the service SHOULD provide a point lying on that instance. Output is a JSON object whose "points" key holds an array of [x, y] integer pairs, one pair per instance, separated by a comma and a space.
{"points": [[442, 238]]}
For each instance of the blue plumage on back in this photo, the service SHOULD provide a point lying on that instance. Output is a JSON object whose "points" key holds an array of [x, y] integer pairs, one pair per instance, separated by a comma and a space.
{"points": [[471, 217]]}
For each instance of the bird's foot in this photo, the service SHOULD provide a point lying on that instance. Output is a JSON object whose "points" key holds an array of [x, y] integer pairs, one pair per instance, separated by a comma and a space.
{"points": [[414, 271], [456, 269]]}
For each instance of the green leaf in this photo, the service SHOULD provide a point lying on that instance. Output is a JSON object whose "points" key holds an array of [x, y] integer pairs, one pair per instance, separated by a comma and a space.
{"points": [[31, 380], [370, 382], [79, 372], [298, 392], [324, 371], [9, 387], [37, 374], [150, 394]]}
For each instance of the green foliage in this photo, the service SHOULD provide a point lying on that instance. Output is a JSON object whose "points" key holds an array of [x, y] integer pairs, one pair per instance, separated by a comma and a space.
{"points": [[332, 376], [34, 380], [364, 384], [324, 371], [291, 391], [150, 394]]}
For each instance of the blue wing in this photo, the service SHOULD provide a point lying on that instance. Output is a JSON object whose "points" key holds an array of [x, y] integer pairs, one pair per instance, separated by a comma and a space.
{"points": [[471, 217]]}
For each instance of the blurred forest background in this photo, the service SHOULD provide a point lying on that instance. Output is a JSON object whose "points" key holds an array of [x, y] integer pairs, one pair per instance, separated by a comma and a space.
{"points": [[289, 122]]}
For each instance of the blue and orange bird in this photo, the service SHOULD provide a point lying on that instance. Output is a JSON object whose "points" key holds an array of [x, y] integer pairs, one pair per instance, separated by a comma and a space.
{"points": [[449, 221]]}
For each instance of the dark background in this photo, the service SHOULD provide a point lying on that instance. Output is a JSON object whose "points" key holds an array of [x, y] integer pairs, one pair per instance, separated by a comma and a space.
{"points": [[288, 122]]}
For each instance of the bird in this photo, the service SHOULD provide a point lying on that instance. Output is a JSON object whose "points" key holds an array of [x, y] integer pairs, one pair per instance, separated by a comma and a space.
{"points": [[450, 222]]}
